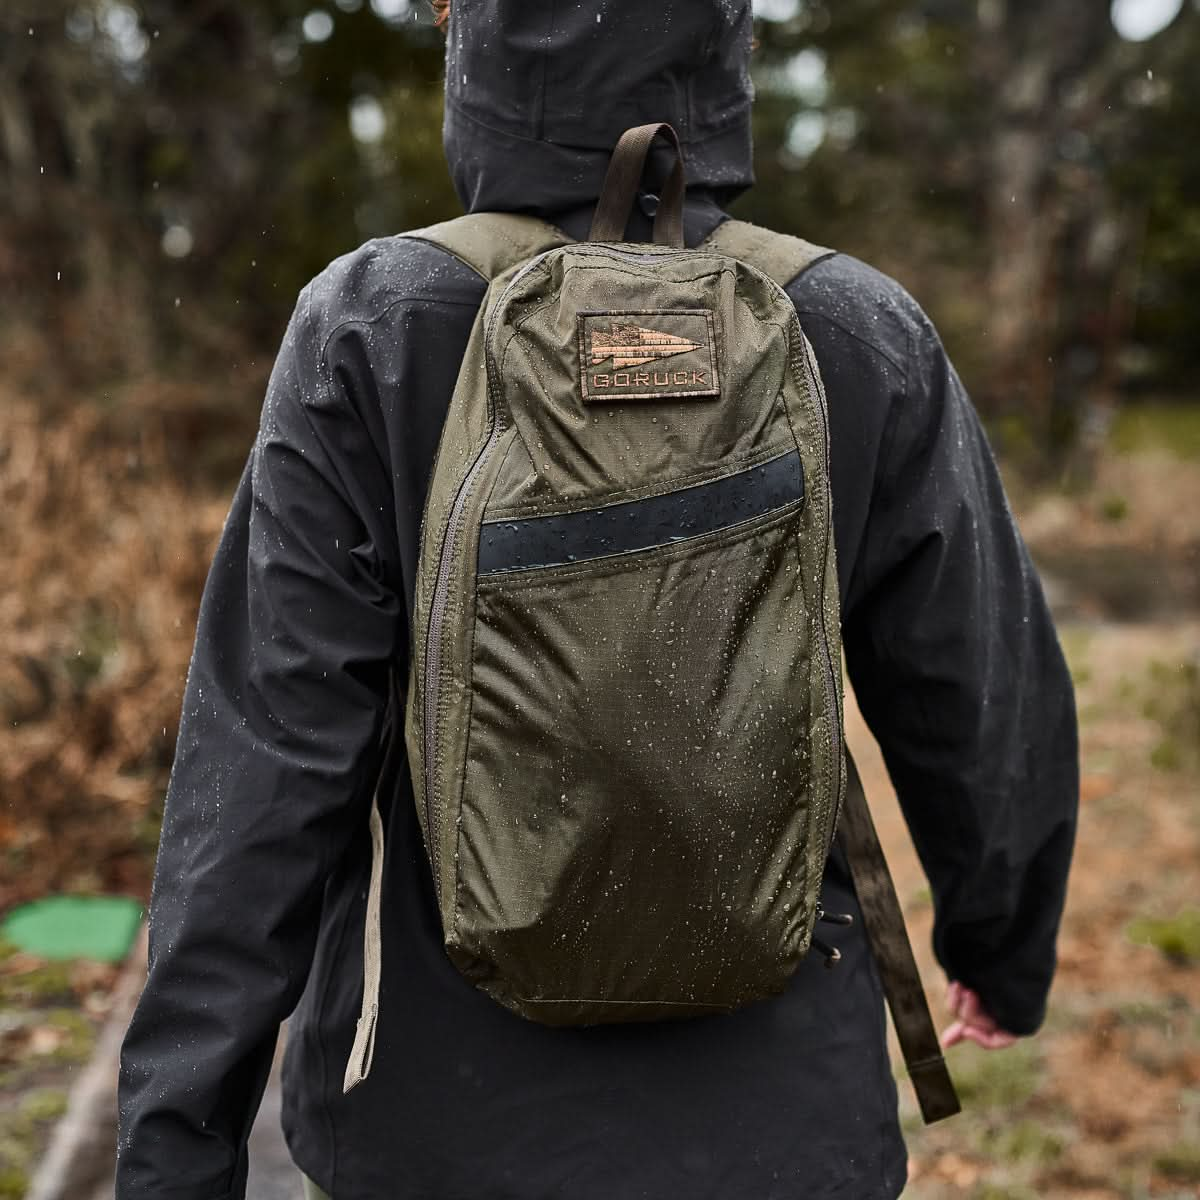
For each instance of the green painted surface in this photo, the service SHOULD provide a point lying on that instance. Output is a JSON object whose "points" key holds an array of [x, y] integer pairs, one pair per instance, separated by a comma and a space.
{"points": [[96, 927]]}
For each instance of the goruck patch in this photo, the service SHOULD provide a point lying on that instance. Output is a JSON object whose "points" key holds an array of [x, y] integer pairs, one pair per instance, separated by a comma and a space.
{"points": [[647, 354]]}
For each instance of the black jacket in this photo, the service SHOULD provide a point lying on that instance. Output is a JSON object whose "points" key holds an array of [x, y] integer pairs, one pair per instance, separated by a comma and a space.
{"points": [[292, 704]]}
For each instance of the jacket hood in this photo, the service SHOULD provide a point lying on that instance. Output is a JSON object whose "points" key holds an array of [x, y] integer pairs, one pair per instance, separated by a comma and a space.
{"points": [[537, 94]]}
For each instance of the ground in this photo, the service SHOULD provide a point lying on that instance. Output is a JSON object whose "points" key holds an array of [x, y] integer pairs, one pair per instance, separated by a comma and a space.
{"points": [[1103, 1103]]}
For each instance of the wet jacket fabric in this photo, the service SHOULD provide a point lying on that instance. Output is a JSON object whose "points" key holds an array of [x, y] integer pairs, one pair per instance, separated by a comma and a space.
{"points": [[293, 707]]}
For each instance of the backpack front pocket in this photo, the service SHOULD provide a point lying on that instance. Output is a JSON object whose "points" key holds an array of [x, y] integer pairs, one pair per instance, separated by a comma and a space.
{"points": [[639, 778]]}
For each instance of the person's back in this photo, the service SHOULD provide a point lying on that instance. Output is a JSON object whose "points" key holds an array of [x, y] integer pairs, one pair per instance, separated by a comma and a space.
{"points": [[303, 646]]}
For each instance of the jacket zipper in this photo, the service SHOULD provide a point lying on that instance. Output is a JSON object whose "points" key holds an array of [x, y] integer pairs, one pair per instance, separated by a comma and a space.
{"points": [[440, 600]]}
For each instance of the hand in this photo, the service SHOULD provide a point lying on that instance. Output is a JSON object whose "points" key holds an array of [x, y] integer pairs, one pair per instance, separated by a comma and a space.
{"points": [[972, 1021]]}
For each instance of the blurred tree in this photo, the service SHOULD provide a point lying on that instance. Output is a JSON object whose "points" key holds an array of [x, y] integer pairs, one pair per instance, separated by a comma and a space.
{"points": [[1157, 178], [172, 171], [955, 141]]}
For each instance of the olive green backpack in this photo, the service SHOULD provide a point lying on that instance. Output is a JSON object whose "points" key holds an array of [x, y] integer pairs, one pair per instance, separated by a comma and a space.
{"points": [[624, 710]]}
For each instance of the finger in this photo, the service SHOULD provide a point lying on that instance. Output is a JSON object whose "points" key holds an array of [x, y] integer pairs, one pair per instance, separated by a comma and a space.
{"points": [[989, 1039], [953, 1034], [982, 1021], [1000, 1039], [968, 1008], [953, 996], [960, 1000]]}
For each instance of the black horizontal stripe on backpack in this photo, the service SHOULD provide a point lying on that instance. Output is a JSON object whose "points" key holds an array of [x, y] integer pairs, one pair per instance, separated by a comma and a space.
{"points": [[564, 538]]}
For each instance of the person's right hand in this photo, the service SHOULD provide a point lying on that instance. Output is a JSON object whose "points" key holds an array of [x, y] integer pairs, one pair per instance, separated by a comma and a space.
{"points": [[972, 1021]]}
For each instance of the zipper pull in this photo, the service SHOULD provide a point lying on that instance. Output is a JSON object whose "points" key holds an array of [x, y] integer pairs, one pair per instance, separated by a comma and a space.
{"points": [[834, 918], [832, 954]]}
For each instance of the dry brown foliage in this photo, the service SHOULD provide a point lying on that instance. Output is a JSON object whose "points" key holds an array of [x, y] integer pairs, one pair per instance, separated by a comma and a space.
{"points": [[105, 549]]}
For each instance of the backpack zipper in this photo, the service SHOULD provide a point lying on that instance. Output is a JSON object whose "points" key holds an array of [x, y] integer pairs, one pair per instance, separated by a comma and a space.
{"points": [[440, 600], [835, 738]]}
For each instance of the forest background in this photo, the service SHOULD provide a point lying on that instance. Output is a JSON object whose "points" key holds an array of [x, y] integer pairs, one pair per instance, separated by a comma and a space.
{"points": [[173, 171]]}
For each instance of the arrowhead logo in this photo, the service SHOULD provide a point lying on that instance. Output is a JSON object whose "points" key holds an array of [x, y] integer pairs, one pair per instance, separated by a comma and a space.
{"points": [[633, 345], [647, 354]]}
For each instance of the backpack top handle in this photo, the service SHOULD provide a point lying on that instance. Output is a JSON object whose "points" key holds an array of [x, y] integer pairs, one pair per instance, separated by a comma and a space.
{"points": [[620, 188]]}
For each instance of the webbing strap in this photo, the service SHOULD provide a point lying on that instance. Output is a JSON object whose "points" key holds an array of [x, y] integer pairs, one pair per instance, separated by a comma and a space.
{"points": [[621, 183], [363, 1051], [779, 256], [888, 939], [490, 243]]}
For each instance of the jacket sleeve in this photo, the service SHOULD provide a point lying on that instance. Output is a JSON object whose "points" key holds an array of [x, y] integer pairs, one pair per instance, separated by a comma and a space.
{"points": [[274, 767], [957, 670]]}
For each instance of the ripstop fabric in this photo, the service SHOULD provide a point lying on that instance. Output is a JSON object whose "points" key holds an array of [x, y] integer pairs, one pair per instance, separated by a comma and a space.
{"points": [[621, 830]]}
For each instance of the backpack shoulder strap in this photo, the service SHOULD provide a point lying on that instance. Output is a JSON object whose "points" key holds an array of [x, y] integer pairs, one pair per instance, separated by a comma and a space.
{"points": [[490, 243], [783, 257], [778, 255], [883, 922]]}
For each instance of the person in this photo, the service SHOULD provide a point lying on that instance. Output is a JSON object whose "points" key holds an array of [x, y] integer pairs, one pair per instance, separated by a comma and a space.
{"points": [[294, 702]]}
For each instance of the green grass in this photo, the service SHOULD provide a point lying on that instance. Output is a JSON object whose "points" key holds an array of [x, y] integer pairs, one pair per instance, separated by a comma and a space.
{"points": [[32, 1082], [1114, 508], [1028, 1142], [1171, 427], [79, 1035], [1005, 1191], [13, 1181], [1173, 702], [1159, 1015], [996, 1078], [1176, 938], [46, 984], [48, 1104], [22, 1132], [1180, 1162], [97, 644], [1166, 756], [1076, 641]]}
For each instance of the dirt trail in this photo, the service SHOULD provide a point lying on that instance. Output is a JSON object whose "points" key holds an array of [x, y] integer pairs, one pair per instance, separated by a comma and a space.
{"points": [[1104, 1103]]}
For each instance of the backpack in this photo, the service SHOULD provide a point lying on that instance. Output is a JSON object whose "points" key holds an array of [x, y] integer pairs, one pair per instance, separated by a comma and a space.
{"points": [[624, 708]]}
